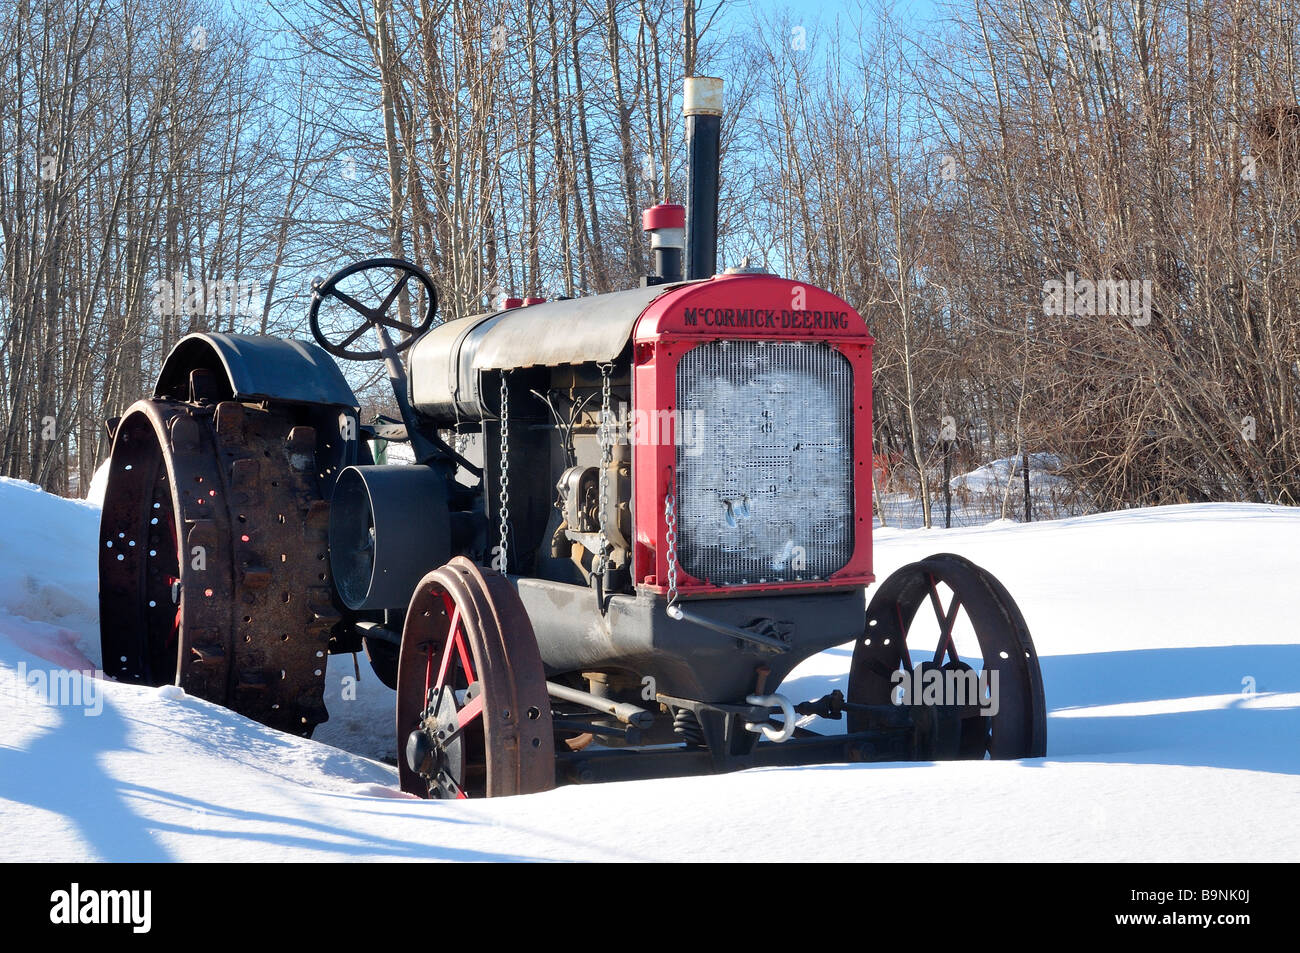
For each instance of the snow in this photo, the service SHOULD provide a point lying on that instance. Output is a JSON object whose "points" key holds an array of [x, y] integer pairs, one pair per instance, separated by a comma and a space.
{"points": [[993, 476], [1170, 655], [98, 485], [979, 496]]}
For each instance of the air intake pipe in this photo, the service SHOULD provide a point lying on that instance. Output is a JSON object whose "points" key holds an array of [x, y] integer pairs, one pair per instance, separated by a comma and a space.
{"points": [[702, 106], [666, 226]]}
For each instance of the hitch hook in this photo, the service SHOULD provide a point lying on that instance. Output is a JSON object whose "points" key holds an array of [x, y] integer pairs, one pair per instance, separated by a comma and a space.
{"points": [[786, 731]]}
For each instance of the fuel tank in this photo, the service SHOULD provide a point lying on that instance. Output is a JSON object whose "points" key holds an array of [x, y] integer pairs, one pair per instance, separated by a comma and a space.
{"points": [[446, 364]]}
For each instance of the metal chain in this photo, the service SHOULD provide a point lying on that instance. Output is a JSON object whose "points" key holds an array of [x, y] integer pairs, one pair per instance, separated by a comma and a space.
{"points": [[606, 441], [670, 543], [503, 506]]}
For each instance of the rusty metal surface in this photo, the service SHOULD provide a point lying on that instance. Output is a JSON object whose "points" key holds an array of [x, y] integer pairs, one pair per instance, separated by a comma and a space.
{"points": [[228, 593], [506, 749]]}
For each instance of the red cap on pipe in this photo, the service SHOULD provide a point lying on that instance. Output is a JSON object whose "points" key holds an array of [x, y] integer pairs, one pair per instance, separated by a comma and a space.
{"points": [[512, 303], [532, 301], [665, 215]]}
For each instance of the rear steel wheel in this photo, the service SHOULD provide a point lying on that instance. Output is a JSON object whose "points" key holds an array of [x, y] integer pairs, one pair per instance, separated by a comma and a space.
{"points": [[473, 714], [976, 631], [213, 563]]}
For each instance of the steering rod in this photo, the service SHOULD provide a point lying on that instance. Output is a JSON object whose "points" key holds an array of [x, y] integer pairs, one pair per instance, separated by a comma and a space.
{"points": [[423, 448]]}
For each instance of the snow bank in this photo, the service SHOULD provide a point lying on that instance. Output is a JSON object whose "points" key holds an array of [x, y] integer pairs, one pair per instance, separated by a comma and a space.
{"points": [[48, 577]]}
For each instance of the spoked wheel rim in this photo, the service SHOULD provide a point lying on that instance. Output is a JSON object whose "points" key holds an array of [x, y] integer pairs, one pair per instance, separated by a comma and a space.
{"points": [[945, 594], [473, 715], [140, 551], [161, 616]]}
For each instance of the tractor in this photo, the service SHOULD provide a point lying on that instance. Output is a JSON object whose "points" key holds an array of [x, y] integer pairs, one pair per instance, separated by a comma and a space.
{"points": [[628, 518]]}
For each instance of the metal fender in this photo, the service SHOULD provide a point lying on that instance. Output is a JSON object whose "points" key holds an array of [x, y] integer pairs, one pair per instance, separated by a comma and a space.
{"points": [[253, 367]]}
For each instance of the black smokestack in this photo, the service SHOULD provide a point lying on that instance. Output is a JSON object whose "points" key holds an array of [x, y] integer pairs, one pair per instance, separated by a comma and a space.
{"points": [[702, 106]]}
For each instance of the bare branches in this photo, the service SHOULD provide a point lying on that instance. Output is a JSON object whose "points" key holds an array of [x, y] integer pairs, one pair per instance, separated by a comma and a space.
{"points": [[1073, 227]]}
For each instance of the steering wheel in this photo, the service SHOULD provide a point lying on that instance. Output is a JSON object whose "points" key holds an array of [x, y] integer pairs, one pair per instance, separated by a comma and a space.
{"points": [[376, 318]]}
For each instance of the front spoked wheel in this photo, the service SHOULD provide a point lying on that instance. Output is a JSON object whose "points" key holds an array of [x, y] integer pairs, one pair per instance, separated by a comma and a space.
{"points": [[944, 638], [473, 714]]}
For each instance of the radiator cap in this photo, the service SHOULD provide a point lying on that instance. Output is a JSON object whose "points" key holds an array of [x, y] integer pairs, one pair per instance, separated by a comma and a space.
{"points": [[745, 268]]}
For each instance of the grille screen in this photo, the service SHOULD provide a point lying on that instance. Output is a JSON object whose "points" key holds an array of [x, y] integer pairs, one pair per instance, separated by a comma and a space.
{"points": [[764, 461]]}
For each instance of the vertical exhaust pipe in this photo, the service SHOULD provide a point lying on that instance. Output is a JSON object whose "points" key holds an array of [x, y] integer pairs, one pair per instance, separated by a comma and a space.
{"points": [[702, 106]]}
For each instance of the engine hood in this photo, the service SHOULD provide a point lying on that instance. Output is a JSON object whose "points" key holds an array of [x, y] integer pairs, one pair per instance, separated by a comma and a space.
{"points": [[446, 363]]}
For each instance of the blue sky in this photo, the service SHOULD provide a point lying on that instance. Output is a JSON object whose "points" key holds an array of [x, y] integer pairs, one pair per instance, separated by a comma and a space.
{"points": [[737, 10], [905, 9]]}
